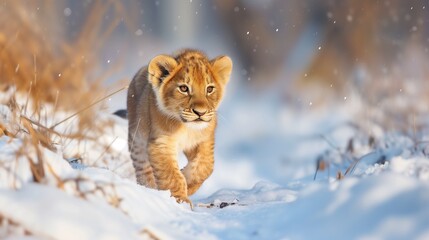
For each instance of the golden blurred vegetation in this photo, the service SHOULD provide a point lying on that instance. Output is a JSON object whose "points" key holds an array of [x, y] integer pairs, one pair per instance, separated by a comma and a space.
{"points": [[345, 36], [39, 58], [49, 76]]}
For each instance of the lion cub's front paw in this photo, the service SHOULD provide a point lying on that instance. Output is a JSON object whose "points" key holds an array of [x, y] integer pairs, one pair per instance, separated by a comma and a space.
{"points": [[184, 198]]}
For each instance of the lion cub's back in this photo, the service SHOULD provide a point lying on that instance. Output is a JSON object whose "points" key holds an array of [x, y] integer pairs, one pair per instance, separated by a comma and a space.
{"points": [[138, 89]]}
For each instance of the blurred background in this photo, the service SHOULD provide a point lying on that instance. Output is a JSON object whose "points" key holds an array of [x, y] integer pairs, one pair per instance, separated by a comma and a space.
{"points": [[301, 67], [286, 45]]}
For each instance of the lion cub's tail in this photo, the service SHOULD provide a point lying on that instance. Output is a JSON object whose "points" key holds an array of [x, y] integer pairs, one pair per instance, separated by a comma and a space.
{"points": [[122, 113]]}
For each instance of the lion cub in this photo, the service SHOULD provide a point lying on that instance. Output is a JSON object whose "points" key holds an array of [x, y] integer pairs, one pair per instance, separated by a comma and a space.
{"points": [[172, 106]]}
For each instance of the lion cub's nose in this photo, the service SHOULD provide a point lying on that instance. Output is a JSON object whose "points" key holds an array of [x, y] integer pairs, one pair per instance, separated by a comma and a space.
{"points": [[199, 112]]}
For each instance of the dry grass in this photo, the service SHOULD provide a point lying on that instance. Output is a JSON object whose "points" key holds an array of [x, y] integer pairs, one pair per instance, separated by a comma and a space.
{"points": [[38, 57], [9, 226], [45, 68], [41, 63]]}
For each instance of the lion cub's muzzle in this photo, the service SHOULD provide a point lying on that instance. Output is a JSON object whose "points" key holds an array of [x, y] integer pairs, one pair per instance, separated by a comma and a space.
{"points": [[197, 115]]}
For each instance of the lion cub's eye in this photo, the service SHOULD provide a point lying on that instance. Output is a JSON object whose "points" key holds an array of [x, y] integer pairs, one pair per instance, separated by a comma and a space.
{"points": [[184, 88], [210, 89]]}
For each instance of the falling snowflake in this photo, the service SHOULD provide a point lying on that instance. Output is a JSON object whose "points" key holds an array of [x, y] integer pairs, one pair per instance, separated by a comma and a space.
{"points": [[67, 12], [139, 32]]}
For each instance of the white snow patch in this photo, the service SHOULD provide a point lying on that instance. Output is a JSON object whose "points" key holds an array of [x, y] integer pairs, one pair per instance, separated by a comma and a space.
{"points": [[50, 213]]}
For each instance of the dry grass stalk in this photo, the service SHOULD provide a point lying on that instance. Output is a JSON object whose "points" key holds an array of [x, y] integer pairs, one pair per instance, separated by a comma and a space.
{"points": [[39, 136], [100, 188], [150, 234], [35, 166], [340, 175], [321, 165], [9, 226], [104, 152], [88, 107], [60, 182], [3, 131], [38, 59]]}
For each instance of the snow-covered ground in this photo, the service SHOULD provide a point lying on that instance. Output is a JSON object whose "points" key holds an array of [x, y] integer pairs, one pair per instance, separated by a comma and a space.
{"points": [[263, 187]]}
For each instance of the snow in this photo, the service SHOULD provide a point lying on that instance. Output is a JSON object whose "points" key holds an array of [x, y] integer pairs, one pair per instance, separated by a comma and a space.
{"points": [[262, 186], [355, 209], [50, 213]]}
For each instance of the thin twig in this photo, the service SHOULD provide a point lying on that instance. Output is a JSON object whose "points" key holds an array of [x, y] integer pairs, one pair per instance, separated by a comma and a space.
{"points": [[28, 97], [150, 234], [135, 133], [330, 143], [40, 125], [87, 107], [105, 150], [353, 165], [35, 70], [414, 127]]}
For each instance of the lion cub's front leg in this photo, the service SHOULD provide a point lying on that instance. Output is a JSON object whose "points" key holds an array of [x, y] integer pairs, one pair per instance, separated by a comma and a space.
{"points": [[200, 165], [162, 157]]}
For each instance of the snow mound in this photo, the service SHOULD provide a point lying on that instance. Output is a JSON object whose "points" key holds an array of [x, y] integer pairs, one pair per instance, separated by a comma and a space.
{"points": [[51, 213], [88, 188], [262, 192], [385, 206]]}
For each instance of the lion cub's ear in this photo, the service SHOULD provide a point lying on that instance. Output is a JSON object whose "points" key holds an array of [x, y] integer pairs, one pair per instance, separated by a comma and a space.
{"points": [[161, 67], [222, 66]]}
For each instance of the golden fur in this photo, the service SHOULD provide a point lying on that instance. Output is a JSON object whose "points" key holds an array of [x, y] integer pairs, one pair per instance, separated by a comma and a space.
{"points": [[172, 106]]}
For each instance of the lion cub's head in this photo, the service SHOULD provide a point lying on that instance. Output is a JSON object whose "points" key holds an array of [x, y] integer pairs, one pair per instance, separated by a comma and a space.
{"points": [[189, 87]]}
